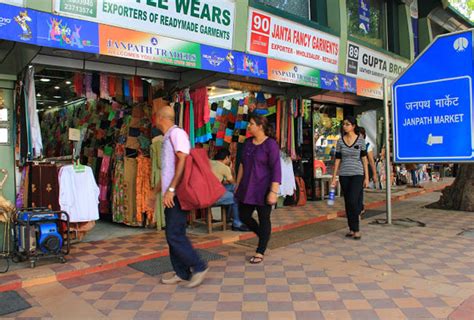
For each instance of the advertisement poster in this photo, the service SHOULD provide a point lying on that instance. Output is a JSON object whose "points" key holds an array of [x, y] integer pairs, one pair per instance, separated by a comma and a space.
{"points": [[206, 21], [364, 15], [65, 33], [137, 45], [228, 61], [369, 89], [17, 24], [292, 73], [337, 82], [371, 65], [283, 39]]}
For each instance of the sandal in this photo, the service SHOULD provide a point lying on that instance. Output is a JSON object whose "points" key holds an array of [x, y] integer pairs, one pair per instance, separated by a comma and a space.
{"points": [[349, 235], [256, 259]]}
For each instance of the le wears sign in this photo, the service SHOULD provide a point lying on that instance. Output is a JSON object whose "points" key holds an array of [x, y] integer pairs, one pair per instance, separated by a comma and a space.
{"points": [[204, 21]]}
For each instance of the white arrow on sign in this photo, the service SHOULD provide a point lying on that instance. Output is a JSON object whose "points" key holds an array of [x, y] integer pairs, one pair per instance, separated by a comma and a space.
{"points": [[434, 140]]}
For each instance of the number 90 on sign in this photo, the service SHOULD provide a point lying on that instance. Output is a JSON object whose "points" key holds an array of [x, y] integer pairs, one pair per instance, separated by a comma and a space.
{"points": [[260, 23]]}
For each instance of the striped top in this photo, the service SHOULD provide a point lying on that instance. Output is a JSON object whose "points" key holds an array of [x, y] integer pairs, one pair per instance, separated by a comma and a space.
{"points": [[351, 162]]}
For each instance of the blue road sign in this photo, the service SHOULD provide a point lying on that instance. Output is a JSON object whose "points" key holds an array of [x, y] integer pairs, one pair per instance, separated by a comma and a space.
{"points": [[432, 104]]}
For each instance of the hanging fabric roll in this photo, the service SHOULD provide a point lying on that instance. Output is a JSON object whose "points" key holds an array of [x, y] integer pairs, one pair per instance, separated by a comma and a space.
{"points": [[33, 119]]}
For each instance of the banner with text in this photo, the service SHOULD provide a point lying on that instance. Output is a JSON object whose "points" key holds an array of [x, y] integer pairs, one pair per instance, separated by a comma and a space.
{"points": [[279, 38], [17, 24], [137, 45], [66, 33], [337, 82], [371, 65], [233, 62], [369, 89], [206, 21], [292, 73]]}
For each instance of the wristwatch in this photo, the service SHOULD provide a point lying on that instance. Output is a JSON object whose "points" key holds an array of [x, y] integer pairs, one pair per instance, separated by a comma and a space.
{"points": [[172, 190]]}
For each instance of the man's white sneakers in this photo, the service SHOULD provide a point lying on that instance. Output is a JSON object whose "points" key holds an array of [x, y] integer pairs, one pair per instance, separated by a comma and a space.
{"points": [[173, 280], [197, 278]]}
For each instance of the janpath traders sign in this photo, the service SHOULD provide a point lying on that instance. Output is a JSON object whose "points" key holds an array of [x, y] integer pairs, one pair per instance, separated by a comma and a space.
{"points": [[144, 46], [371, 65], [282, 39], [292, 73], [204, 21]]}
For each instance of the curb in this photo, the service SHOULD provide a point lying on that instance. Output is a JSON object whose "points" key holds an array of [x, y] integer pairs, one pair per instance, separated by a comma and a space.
{"points": [[14, 285]]}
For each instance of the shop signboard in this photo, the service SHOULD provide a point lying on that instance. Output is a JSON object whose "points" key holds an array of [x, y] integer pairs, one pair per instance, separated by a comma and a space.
{"points": [[207, 21], [17, 24], [18, 3], [233, 62], [125, 43], [337, 82], [283, 39], [432, 103], [369, 89], [371, 65], [292, 73], [66, 33]]}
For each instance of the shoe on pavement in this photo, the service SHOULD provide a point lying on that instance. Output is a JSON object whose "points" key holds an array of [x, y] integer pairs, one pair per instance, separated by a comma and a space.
{"points": [[197, 278], [173, 280], [242, 228]]}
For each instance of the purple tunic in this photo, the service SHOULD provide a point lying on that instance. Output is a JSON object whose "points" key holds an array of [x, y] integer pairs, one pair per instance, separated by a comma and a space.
{"points": [[261, 167]]}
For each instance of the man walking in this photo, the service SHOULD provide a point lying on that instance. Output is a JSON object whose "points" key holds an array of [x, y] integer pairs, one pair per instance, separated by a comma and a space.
{"points": [[187, 264]]}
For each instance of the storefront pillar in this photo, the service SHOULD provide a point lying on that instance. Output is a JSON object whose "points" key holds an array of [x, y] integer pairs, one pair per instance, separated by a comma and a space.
{"points": [[7, 146]]}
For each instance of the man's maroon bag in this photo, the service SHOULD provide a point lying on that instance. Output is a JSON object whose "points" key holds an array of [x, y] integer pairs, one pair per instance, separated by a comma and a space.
{"points": [[199, 188]]}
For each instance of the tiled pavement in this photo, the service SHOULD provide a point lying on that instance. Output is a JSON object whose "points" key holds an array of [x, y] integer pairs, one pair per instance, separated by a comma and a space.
{"points": [[90, 257], [392, 273]]}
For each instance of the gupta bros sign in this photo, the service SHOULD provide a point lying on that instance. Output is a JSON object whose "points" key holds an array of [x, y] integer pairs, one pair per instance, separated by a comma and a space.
{"points": [[204, 21], [368, 64]]}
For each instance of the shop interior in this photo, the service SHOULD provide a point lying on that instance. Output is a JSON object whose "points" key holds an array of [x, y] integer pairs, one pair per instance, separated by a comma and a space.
{"points": [[110, 102]]}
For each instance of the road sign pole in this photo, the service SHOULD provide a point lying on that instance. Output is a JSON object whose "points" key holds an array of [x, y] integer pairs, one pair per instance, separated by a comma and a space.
{"points": [[388, 163]]}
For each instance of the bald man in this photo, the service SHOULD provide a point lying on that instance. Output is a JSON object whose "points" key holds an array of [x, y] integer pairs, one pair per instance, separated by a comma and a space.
{"points": [[187, 264]]}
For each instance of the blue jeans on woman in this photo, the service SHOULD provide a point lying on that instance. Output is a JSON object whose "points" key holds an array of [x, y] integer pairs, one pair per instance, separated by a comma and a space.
{"points": [[228, 200]]}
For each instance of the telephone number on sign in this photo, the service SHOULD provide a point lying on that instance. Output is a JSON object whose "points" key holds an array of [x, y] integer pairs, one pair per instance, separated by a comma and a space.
{"points": [[78, 9]]}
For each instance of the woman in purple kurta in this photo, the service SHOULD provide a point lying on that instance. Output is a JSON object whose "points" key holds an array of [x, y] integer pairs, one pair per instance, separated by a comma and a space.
{"points": [[258, 182]]}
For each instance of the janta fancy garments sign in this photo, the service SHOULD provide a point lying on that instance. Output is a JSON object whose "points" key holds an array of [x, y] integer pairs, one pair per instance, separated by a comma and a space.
{"points": [[204, 21], [282, 39]]}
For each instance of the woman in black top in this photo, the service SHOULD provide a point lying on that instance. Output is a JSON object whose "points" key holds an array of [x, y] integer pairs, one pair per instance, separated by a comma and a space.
{"points": [[352, 166]]}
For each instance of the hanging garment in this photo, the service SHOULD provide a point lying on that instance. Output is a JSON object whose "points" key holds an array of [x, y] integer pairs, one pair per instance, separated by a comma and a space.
{"points": [[79, 194], [88, 84], [33, 119], [104, 182], [119, 89], [288, 184], [118, 194], [44, 189], [130, 191], [144, 192], [201, 115], [79, 84], [95, 84], [137, 89], [155, 152], [104, 86], [112, 84]]}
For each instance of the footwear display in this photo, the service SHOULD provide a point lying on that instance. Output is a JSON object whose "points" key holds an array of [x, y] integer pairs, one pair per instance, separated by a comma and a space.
{"points": [[173, 280], [197, 279]]}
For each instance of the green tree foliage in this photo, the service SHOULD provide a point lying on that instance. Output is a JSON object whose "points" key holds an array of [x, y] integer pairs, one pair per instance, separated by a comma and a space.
{"points": [[466, 7]]}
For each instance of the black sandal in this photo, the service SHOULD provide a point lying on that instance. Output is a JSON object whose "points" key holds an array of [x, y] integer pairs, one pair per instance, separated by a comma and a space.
{"points": [[256, 259], [349, 235]]}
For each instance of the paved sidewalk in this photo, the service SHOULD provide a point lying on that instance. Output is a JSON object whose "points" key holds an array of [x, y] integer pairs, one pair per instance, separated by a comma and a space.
{"points": [[394, 272], [91, 257]]}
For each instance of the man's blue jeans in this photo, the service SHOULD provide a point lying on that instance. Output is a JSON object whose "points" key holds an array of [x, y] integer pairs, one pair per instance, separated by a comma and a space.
{"points": [[182, 254], [228, 200]]}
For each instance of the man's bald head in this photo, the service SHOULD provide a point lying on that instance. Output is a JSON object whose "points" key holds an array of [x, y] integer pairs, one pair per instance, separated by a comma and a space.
{"points": [[167, 113]]}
